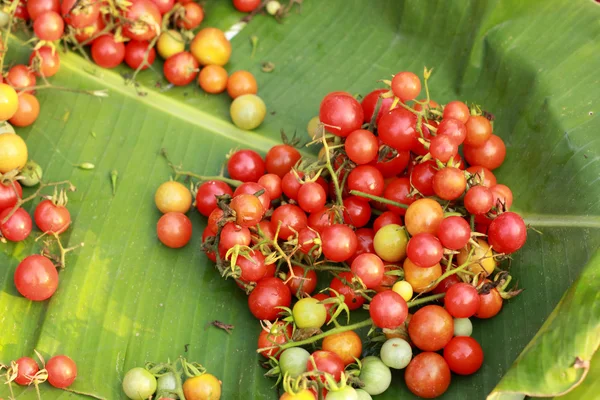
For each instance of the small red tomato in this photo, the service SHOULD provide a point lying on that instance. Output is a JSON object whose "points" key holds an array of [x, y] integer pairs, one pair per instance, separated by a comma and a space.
{"points": [[424, 250], [48, 59], [507, 233], [462, 300], [36, 278], [288, 219], [279, 333], [51, 218], [248, 210], [246, 5], [27, 369], [463, 355], [174, 229], [9, 194], [206, 198], [266, 298], [352, 299], [326, 361], [339, 242], [454, 232], [194, 14], [388, 309], [62, 371], [181, 69], [106, 52], [431, 328], [17, 227], [406, 86], [369, 268], [252, 266], [386, 218], [304, 283], [246, 166], [427, 375], [138, 53], [341, 114]]}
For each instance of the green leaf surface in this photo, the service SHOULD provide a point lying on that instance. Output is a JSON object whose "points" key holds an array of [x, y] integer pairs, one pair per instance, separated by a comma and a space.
{"points": [[125, 299]]}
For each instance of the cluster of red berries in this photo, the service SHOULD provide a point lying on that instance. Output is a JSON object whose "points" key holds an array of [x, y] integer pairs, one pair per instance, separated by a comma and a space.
{"points": [[60, 371], [388, 210]]}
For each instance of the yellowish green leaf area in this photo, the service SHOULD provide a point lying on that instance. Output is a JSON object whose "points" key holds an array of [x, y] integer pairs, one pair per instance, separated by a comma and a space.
{"points": [[125, 299]]}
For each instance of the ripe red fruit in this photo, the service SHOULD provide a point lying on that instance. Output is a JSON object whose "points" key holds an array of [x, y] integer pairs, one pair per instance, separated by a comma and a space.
{"points": [[339, 242], [135, 52], [388, 309], [507, 233], [398, 129], [462, 300], [406, 86], [106, 52], [424, 250], [369, 103], [246, 166], [341, 114], [36, 278], [269, 294]]}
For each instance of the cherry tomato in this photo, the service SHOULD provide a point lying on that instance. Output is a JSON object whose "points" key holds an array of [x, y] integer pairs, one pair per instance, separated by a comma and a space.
{"points": [[213, 219], [366, 179], [9, 103], [420, 278], [291, 183], [253, 188], [49, 26], [174, 230], [424, 250], [267, 296], [27, 368], [507, 233], [311, 197], [393, 165], [139, 383], [352, 299], [489, 155], [446, 283], [240, 83], [62, 371], [502, 196], [13, 151], [51, 218], [369, 268], [369, 103], [272, 184], [364, 238], [206, 200], [202, 387], [490, 304], [357, 211], [173, 196], [309, 313], [463, 355], [20, 77], [35, 8], [246, 5], [457, 110], [338, 242], [406, 86], [386, 218], [443, 148], [28, 111], [135, 51], [449, 183], [143, 20], [481, 260], [281, 158], [304, 282], [252, 266], [88, 33], [248, 209], [483, 175], [211, 47], [321, 219], [431, 328], [398, 190], [194, 14], [213, 79], [36, 278], [17, 227], [422, 176], [279, 333], [246, 166], [479, 200], [423, 216], [10, 193], [454, 129], [347, 346], [427, 375], [479, 131], [398, 129], [290, 218], [389, 279], [462, 300], [80, 14], [390, 243], [232, 234], [454, 232], [180, 69], [170, 43], [341, 114], [326, 361], [107, 52], [362, 146], [388, 310]]}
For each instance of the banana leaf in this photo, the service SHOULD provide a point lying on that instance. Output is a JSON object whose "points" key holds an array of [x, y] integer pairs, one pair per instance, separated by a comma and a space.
{"points": [[125, 299]]}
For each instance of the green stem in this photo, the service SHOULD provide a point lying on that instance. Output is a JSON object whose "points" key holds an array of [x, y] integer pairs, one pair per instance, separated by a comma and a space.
{"points": [[320, 267], [334, 177], [377, 198], [425, 300], [13, 11], [375, 113], [232, 182], [334, 331]]}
